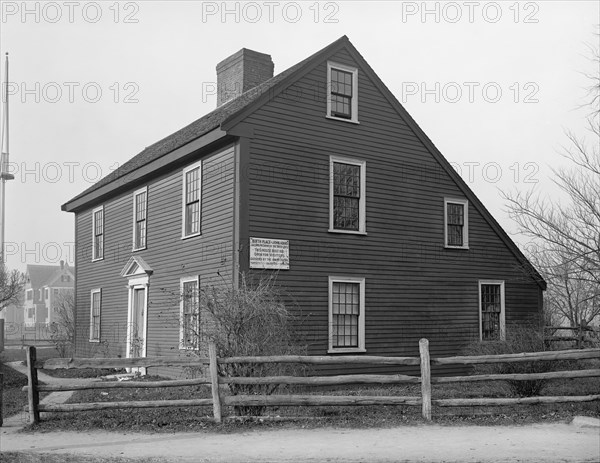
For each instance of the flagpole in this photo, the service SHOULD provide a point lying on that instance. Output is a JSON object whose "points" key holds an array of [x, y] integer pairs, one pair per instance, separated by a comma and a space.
{"points": [[4, 174]]}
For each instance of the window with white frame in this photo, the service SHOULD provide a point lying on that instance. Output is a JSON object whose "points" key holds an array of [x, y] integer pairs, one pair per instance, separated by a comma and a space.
{"points": [[98, 233], [347, 195], [46, 293], [192, 200], [342, 92], [456, 223], [29, 293], [491, 310], [95, 311], [140, 206], [346, 314], [189, 334]]}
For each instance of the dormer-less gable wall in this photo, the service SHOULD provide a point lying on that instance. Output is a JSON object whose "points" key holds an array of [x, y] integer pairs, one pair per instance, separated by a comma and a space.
{"points": [[416, 285]]}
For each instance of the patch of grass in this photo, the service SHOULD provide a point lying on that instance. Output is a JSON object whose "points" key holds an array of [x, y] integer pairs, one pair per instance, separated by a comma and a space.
{"points": [[82, 372], [13, 398], [172, 419]]}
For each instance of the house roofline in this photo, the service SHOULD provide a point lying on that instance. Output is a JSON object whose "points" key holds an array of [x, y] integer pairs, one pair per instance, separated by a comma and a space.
{"points": [[202, 144], [309, 64], [439, 157]]}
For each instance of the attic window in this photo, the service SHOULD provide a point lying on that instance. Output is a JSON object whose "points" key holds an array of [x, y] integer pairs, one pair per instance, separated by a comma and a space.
{"points": [[456, 218], [342, 92]]}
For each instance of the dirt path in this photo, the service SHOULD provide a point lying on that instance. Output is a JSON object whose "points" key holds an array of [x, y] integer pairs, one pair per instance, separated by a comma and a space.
{"points": [[536, 443]]}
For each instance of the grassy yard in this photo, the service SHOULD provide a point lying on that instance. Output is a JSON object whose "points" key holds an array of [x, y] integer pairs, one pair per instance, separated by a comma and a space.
{"points": [[200, 418], [13, 398]]}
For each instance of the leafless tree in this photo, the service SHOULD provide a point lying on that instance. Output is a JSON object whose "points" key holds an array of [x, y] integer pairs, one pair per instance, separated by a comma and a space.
{"points": [[62, 330], [568, 297], [568, 232], [12, 283]]}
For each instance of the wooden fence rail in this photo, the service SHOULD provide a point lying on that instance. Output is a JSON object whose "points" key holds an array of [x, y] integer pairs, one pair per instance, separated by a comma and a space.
{"points": [[216, 381]]}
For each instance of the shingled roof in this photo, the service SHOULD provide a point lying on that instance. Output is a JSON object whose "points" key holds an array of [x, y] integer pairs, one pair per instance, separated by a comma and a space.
{"points": [[201, 126]]}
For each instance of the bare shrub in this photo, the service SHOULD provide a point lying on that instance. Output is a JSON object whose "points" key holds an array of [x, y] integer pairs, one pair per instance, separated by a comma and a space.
{"points": [[249, 320], [518, 339]]}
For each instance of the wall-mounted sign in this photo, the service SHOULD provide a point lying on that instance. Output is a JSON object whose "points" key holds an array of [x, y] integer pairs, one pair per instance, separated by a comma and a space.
{"points": [[269, 254]]}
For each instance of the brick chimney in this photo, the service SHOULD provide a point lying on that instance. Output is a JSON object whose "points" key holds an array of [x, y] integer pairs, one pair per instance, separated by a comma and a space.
{"points": [[240, 72]]}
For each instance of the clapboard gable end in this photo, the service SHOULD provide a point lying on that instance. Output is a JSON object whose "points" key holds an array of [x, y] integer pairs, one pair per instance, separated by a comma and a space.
{"points": [[265, 160]]}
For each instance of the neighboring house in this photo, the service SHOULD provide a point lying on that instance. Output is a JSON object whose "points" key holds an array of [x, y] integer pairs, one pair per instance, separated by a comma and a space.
{"points": [[320, 176], [44, 286]]}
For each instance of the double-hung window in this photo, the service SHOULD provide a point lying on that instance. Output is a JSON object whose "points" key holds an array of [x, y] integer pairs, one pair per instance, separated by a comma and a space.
{"points": [[342, 92], [95, 310], [347, 195], [192, 200], [189, 334], [491, 310], [346, 314], [98, 233], [456, 223], [140, 207]]}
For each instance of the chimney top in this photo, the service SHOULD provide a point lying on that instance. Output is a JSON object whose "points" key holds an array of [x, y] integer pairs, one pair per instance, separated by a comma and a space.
{"points": [[241, 72]]}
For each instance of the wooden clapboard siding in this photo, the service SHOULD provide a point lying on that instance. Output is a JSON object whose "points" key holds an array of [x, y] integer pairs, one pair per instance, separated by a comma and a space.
{"points": [[414, 286], [170, 257]]}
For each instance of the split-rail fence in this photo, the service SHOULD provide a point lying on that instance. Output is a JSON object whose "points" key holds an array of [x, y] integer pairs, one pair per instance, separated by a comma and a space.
{"points": [[220, 399]]}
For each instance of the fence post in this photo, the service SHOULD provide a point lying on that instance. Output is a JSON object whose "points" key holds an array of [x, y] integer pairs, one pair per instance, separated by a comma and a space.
{"points": [[1, 334], [214, 381], [33, 395], [425, 378], [1, 393]]}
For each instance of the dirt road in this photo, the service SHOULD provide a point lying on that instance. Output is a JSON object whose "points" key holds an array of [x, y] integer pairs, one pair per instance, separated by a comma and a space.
{"points": [[428, 443]]}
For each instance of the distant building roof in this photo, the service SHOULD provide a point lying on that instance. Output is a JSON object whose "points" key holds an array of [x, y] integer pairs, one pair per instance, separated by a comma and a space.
{"points": [[47, 275]]}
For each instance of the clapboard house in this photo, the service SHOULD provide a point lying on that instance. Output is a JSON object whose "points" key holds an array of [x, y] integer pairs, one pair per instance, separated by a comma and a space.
{"points": [[319, 175]]}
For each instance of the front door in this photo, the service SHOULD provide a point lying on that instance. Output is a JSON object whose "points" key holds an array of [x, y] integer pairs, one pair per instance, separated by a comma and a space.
{"points": [[138, 323]]}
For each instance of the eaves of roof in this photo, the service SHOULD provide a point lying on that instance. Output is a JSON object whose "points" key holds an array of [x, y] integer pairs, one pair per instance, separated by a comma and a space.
{"points": [[197, 136]]}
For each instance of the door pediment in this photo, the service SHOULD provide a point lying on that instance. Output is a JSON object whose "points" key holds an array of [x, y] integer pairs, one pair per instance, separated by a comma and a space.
{"points": [[136, 267]]}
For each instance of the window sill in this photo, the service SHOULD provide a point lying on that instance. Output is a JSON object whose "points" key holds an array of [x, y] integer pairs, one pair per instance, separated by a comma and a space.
{"points": [[93, 340], [139, 249], [347, 232], [97, 259], [185, 237], [466, 248], [347, 350], [351, 121]]}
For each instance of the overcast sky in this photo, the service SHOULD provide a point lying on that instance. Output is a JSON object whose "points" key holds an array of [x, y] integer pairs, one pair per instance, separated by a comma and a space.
{"points": [[493, 84]]}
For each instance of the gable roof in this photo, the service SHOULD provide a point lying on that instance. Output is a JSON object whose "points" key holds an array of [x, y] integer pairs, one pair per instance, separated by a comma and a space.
{"points": [[231, 113], [202, 126], [39, 274], [46, 275]]}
